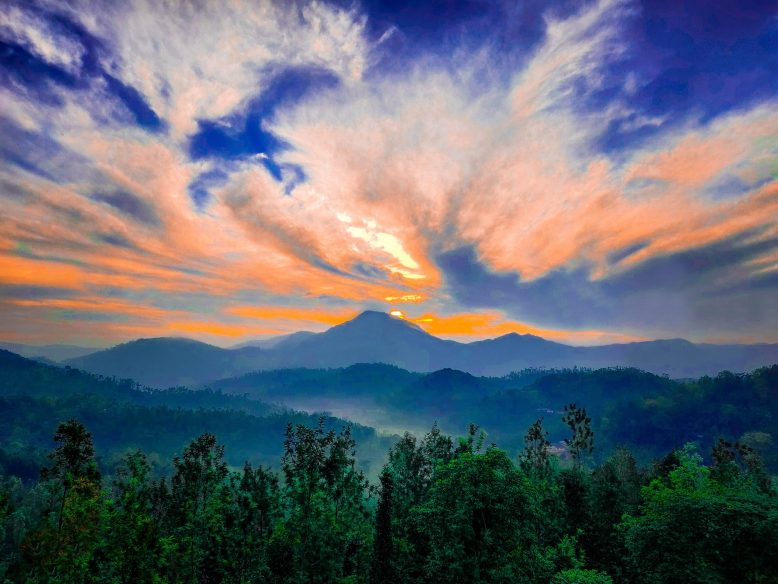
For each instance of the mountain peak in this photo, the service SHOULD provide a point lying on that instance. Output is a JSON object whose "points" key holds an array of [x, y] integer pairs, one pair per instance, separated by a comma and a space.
{"points": [[164, 341], [513, 338], [373, 320], [373, 315]]}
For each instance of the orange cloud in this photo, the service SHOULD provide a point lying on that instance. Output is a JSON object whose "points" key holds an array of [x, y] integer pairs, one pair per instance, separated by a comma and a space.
{"points": [[397, 171], [488, 325], [30, 272], [405, 299], [218, 328], [294, 314], [95, 304]]}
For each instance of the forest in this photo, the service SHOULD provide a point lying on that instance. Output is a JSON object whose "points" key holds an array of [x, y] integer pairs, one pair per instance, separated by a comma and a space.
{"points": [[444, 510], [647, 413], [621, 477]]}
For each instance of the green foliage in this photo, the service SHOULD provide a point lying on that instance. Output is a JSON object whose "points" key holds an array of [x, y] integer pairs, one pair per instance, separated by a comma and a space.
{"points": [[535, 457], [473, 514], [582, 440], [381, 568], [327, 527], [692, 528], [615, 489], [453, 511], [650, 414], [741, 406], [413, 466], [119, 428], [578, 576], [68, 536], [133, 541]]}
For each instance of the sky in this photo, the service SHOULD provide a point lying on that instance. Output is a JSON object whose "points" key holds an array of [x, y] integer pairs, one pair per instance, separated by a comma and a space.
{"points": [[590, 172]]}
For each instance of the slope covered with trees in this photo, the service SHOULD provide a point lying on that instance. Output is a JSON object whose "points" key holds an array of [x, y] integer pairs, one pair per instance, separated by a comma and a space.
{"points": [[123, 416], [648, 413]]}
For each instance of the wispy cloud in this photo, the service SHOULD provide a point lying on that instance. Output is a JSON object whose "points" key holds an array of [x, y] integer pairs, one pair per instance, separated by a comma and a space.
{"points": [[265, 157]]}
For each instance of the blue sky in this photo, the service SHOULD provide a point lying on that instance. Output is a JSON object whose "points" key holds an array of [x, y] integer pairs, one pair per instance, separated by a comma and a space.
{"points": [[586, 171]]}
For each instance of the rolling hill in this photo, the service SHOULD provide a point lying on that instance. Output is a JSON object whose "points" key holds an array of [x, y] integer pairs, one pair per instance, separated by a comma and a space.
{"points": [[167, 362], [54, 353]]}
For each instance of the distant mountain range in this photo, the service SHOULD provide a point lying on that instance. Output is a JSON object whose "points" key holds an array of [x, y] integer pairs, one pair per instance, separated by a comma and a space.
{"points": [[376, 337], [275, 342], [48, 353], [166, 362]]}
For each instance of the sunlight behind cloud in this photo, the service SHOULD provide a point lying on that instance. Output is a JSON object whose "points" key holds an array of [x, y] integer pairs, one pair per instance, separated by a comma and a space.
{"points": [[352, 193]]}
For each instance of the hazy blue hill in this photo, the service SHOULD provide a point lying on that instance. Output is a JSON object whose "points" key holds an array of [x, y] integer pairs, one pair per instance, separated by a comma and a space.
{"points": [[275, 381], [440, 394], [597, 388], [376, 337], [514, 351], [165, 362], [54, 353], [362, 379], [289, 340], [733, 406], [27, 424], [366, 377], [648, 412], [680, 358]]}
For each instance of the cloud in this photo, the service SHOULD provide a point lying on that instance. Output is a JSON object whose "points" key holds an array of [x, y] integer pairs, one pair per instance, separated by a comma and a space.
{"points": [[235, 45], [293, 314], [266, 155], [41, 37], [473, 326], [701, 289], [128, 204]]}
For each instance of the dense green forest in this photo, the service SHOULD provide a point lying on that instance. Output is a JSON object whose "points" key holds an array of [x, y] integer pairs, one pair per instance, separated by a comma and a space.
{"points": [[449, 511], [650, 414], [657, 481]]}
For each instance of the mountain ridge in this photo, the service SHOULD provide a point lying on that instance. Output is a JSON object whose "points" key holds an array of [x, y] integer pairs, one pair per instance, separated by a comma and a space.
{"points": [[375, 337]]}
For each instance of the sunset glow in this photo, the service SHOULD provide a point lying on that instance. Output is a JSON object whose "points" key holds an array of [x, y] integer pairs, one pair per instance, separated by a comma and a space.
{"points": [[257, 168]]}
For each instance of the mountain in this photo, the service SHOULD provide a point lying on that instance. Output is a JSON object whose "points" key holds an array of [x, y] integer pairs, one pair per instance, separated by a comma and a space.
{"points": [[289, 340], [371, 337], [55, 353], [376, 337], [514, 352], [680, 358], [166, 362]]}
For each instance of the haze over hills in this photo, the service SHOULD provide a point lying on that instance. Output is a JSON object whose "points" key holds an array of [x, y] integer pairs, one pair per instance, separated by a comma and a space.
{"points": [[166, 362], [56, 353], [35, 398], [628, 406], [278, 341], [650, 413], [376, 337]]}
